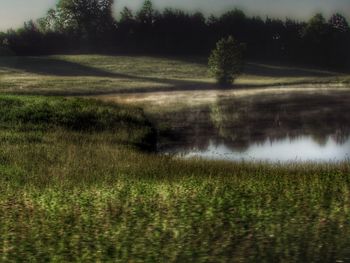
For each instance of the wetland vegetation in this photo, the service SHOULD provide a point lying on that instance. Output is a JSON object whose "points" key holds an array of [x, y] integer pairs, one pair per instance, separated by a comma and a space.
{"points": [[97, 113], [75, 192]]}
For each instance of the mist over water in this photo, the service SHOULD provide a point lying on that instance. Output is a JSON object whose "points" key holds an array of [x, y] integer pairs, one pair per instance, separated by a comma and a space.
{"points": [[271, 127]]}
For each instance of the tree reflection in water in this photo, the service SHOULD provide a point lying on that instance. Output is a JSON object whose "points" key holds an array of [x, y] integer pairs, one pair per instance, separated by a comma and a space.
{"points": [[240, 122]]}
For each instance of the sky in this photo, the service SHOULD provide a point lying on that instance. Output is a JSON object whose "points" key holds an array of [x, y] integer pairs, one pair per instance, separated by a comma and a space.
{"points": [[14, 12]]}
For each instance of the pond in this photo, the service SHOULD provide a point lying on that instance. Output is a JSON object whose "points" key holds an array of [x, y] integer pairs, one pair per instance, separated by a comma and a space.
{"points": [[274, 127]]}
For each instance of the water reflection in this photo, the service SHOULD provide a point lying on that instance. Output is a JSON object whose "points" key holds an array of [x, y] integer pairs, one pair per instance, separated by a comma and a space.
{"points": [[275, 127], [283, 150]]}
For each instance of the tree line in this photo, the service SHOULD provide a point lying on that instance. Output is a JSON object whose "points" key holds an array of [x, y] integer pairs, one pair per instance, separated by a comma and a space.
{"points": [[89, 26]]}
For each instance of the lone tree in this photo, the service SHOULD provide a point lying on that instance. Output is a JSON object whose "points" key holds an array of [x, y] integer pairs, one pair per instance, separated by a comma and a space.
{"points": [[226, 61]]}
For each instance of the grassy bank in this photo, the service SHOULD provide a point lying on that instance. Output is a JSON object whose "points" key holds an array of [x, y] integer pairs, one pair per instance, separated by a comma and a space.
{"points": [[88, 194], [33, 118]]}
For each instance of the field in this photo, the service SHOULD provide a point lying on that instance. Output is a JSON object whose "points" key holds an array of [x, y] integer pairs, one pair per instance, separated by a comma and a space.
{"points": [[97, 75], [79, 181]]}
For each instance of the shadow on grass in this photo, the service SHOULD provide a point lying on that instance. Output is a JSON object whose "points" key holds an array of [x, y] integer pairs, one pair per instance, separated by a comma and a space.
{"points": [[260, 69], [265, 70], [51, 66], [55, 67]]}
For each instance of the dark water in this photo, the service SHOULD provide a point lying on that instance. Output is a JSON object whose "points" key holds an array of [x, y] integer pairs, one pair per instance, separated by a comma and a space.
{"points": [[298, 126]]}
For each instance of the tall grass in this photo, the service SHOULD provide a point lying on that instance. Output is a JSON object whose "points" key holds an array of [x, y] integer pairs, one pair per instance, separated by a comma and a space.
{"points": [[71, 195]]}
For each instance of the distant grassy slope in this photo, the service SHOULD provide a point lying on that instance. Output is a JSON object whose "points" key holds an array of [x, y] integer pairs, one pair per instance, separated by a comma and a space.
{"points": [[97, 74]]}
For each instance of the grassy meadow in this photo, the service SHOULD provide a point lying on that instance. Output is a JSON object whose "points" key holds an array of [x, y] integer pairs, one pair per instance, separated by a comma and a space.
{"points": [[97, 75], [79, 181]]}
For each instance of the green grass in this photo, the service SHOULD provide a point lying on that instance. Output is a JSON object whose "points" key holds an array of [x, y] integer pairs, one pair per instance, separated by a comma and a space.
{"points": [[69, 194], [76, 184], [97, 203], [97, 74], [34, 117]]}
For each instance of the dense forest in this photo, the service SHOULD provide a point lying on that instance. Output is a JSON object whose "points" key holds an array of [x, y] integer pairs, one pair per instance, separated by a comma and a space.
{"points": [[89, 26]]}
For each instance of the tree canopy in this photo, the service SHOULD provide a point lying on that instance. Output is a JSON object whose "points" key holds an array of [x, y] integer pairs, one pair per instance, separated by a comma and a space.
{"points": [[86, 18], [76, 24]]}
